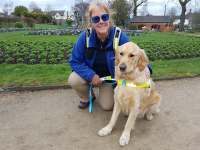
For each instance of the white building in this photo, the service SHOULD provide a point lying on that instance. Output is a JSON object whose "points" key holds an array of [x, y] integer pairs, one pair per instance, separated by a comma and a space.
{"points": [[61, 16], [177, 21]]}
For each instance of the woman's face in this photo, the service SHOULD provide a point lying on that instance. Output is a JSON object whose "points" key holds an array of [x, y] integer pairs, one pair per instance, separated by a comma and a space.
{"points": [[100, 21]]}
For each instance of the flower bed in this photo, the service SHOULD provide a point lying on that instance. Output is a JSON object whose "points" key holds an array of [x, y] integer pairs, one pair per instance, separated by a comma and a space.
{"points": [[34, 52]]}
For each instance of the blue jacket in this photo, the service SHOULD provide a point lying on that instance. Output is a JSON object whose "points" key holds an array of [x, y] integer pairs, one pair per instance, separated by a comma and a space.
{"points": [[82, 65]]}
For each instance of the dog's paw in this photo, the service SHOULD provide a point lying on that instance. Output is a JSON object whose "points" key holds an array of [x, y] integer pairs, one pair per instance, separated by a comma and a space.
{"points": [[157, 111], [140, 115], [124, 139], [149, 116], [104, 131]]}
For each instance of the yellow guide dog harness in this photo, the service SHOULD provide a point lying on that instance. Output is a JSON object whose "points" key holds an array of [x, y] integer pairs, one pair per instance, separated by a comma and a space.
{"points": [[127, 83]]}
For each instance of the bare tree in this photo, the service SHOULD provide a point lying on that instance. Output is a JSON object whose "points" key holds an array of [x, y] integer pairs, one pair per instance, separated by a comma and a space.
{"points": [[135, 4], [120, 16], [144, 10], [8, 6], [48, 8], [33, 6], [183, 4], [109, 3], [172, 12], [79, 11]]}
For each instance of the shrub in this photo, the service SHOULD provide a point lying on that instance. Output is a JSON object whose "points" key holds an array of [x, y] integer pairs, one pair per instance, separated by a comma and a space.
{"points": [[69, 22], [132, 27], [19, 25], [29, 21], [140, 26]]}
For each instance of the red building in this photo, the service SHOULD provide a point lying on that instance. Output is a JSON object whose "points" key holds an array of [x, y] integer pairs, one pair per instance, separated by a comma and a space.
{"points": [[159, 23]]}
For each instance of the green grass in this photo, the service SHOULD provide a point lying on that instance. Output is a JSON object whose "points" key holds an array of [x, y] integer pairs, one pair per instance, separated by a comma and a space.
{"points": [[176, 68], [21, 36], [36, 75], [164, 37], [48, 26], [146, 37], [33, 75]]}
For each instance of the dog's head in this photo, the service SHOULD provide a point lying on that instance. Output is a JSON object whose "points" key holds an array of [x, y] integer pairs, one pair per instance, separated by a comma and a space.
{"points": [[130, 57]]}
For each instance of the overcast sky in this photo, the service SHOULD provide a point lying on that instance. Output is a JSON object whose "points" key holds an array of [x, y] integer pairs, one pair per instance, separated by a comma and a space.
{"points": [[154, 7]]}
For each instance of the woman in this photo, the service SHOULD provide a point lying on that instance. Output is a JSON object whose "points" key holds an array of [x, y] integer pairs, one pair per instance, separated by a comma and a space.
{"points": [[96, 59]]}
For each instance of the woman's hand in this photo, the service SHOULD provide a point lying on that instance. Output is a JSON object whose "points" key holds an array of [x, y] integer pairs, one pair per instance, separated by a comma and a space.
{"points": [[96, 81]]}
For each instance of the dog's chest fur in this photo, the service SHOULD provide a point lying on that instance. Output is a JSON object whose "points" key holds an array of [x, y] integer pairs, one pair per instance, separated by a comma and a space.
{"points": [[126, 97], [129, 97]]}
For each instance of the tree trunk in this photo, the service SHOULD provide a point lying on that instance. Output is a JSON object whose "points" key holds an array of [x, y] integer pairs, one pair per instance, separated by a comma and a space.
{"points": [[182, 18], [135, 11]]}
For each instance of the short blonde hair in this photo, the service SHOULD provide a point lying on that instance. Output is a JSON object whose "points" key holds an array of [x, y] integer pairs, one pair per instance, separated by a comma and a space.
{"points": [[92, 7]]}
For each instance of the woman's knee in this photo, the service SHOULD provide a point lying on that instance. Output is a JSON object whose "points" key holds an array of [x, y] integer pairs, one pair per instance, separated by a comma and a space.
{"points": [[75, 80], [106, 97], [107, 107]]}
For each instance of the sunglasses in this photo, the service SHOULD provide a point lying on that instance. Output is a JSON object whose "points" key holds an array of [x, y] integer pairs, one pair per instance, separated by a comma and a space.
{"points": [[96, 19]]}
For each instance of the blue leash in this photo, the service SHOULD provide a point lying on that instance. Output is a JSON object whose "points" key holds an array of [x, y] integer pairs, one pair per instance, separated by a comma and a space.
{"points": [[90, 99], [90, 93]]}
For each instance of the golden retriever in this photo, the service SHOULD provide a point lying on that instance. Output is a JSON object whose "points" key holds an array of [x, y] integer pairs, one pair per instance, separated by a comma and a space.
{"points": [[131, 66]]}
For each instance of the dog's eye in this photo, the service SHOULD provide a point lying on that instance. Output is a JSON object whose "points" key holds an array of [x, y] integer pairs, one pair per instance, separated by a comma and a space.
{"points": [[131, 55], [121, 53]]}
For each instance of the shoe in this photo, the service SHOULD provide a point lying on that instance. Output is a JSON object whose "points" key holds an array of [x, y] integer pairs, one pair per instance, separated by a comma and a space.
{"points": [[84, 105]]}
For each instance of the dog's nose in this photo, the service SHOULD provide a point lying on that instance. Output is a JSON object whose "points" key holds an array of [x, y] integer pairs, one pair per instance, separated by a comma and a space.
{"points": [[122, 67]]}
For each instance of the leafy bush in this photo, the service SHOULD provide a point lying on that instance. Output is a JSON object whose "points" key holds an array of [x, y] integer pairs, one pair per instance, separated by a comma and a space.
{"points": [[132, 27], [69, 22], [19, 25]]}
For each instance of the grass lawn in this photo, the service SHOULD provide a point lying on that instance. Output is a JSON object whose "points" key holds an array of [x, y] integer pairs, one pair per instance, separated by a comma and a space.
{"points": [[36, 75], [196, 34], [176, 68], [21, 36], [165, 37], [33, 75], [146, 37], [48, 26]]}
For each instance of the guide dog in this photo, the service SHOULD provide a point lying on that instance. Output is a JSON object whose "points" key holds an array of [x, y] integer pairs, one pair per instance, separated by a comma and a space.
{"points": [[139, 97]]}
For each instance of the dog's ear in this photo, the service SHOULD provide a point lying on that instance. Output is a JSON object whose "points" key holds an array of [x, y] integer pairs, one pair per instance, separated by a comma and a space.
{"points": [[143, 60]]}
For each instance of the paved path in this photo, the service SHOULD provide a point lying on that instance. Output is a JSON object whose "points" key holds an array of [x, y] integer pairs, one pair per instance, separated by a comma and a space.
{"points": [[50, 120]]}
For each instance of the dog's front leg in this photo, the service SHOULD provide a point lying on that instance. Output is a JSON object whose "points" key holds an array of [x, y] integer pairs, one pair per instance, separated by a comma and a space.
{"points": [[108, 128], [130, 124]]}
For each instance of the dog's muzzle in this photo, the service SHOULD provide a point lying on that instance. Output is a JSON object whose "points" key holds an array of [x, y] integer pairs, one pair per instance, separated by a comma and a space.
{"points": [[122, 67]]}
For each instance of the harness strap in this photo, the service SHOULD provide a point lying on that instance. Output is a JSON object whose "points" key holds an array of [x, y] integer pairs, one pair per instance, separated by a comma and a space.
{"points": [[116, 38], [131, 84], [115, 41], [127, 83], [88, 33]]}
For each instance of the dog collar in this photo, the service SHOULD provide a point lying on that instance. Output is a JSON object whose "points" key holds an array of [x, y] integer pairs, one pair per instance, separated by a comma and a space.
{"points": [[127, 83]]}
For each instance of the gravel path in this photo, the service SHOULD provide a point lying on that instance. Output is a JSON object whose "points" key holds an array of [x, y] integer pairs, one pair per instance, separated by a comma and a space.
{"points": [[50, 120]]}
